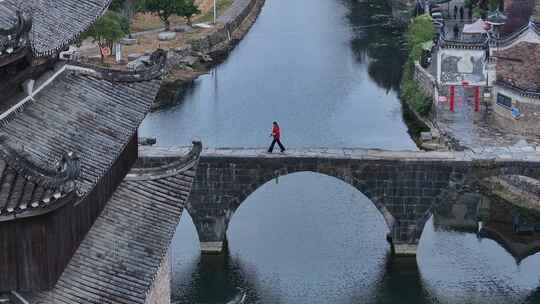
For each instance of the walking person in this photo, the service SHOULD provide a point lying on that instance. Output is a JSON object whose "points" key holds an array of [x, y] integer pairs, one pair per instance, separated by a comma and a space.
{"points": [[461, 12], [276, 135]]}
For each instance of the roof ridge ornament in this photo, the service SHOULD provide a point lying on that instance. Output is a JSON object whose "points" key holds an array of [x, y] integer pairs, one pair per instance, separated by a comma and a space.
{"points": [[17, 37], [156, 70], [62, 177], [169, 168]]}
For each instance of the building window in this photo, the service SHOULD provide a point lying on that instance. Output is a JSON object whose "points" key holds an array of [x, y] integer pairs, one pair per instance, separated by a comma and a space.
{"points": [[504, 101]]}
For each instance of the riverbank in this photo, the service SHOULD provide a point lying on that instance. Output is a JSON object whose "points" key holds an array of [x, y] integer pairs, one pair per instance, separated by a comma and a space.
{"points": [[417, 100], [200, 55]]}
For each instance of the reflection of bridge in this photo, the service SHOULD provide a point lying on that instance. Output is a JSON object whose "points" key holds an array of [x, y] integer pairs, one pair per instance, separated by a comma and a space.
{"points": [[404, 186], [493, 218]]}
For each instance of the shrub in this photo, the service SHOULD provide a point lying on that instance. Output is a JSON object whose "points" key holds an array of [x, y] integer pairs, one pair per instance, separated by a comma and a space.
{"points": [[419, 31]]}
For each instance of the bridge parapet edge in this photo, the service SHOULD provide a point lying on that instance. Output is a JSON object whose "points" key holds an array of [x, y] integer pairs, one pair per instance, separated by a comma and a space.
{"points": [[495, 154]]}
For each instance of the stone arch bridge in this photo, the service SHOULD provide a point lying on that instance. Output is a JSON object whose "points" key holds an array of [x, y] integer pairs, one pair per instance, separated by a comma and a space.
{"points": [[404, 186]]}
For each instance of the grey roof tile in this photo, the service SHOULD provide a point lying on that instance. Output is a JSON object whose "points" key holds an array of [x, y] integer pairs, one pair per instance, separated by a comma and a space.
{"points": [[56, 23], [118, 260]]}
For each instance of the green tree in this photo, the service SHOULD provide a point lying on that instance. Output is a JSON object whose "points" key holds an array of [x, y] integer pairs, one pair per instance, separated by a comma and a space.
{"points": [[188, 10], [164, 9], [494, 5], [420, 30], [106, 31], [117, 5]]}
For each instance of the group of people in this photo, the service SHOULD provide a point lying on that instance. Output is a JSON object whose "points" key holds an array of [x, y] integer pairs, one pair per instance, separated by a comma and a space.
{"points": [[461, 12]]}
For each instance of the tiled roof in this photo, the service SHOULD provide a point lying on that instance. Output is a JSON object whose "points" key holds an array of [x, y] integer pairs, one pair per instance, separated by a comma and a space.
{"points": [[28, 189], [118, 260], [56, 23], [519, 66], [84, 114], [8, 16], [75, 111]]}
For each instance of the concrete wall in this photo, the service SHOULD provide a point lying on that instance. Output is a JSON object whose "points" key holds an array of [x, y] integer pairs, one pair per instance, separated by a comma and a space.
{"points": [[528, 123]]}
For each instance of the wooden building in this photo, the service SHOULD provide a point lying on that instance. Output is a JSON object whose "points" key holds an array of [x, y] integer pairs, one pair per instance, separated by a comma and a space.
{"points": [[32, 33], [79, 224]]}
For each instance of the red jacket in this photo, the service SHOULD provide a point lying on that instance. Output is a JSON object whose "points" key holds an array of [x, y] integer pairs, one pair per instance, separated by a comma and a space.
{"points": [[275, 132]]}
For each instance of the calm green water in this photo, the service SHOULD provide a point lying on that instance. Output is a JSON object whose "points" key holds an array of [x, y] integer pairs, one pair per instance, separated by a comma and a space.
{"points": [[328, 71]]}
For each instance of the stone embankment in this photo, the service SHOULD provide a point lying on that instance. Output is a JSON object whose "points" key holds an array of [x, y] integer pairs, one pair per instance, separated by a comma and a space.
{"points": [[521, 191], [199, 55]]}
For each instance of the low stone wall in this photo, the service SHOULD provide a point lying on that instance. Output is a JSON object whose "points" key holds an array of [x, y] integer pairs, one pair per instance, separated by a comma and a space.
{"points": [[525, 183], [518, 190], [232, 25], [229, 22], [175, 56], [426, 82]]}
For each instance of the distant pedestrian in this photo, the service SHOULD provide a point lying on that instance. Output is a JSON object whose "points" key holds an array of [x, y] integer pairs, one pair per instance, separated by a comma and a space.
{"points": [[455, 11], [461, 13], [456, 31], [276, 132]]}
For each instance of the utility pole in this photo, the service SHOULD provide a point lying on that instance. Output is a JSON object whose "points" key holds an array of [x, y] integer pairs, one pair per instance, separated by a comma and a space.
{"points": [[215, 11]]}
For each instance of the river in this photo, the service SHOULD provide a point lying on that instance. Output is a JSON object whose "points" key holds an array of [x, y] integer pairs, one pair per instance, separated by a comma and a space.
{"points": [[328, 71]]}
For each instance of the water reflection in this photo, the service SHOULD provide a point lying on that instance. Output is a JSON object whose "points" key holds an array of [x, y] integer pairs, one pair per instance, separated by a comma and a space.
{"points": [[302, 65], [514, 228], [464, 259], [377, 41], [323, 242], [329, 73]]}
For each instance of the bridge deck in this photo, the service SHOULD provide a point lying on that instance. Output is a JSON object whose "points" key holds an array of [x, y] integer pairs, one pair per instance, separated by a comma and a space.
{"points": [[488, 153]]}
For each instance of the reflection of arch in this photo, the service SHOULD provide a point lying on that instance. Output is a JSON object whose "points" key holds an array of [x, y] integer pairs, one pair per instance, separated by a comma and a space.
{"points": [[520, 251], [464, 212]]}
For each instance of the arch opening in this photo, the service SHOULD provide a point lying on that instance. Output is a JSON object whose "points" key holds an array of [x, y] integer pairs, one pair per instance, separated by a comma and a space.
{"points": [[212, 224]]}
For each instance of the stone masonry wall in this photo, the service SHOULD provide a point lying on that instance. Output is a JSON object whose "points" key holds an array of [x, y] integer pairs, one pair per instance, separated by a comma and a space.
{"points": [[403, 190], [404, 186], [229, 22], [425, 81]]}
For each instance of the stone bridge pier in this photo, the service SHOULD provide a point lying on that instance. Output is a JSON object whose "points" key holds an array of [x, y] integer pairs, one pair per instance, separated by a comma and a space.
{"points": [[403, 186]]}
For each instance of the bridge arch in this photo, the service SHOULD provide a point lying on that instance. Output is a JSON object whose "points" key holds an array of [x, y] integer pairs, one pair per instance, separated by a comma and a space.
{"points": [[222, 185], [238, 201], [404, 186]]}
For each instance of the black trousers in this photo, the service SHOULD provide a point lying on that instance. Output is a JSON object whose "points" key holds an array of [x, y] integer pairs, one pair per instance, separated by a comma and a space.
{"points": [[274, 143]]}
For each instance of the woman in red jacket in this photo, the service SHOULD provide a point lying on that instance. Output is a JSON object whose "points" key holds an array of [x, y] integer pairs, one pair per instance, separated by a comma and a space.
{"points": [[275, 134]]}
